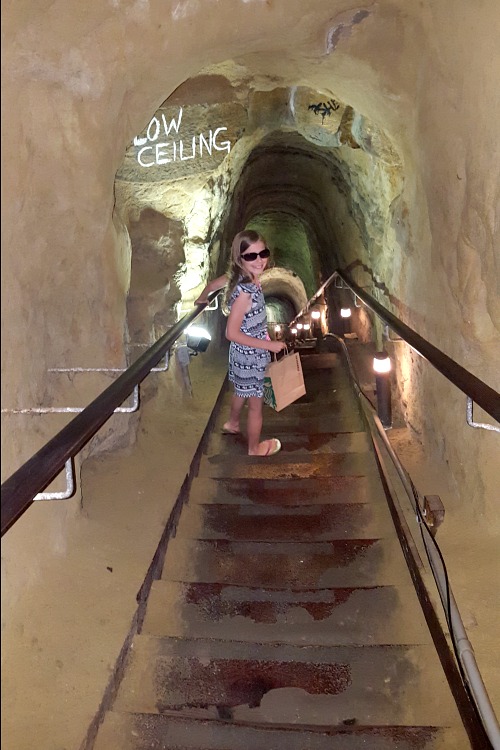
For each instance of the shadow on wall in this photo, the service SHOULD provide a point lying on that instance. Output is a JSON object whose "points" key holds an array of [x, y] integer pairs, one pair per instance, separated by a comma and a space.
{"points": [[402, 310], [157, 256]]}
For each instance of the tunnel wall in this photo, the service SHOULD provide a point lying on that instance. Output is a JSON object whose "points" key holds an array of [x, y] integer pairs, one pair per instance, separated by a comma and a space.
{"points": [[80, 82], [66, 256]]}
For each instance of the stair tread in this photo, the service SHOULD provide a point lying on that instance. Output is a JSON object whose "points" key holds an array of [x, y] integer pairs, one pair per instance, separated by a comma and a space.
{"points": [[371, 615], [138, 731], [289, 465], [267, 683], [351, 562], [287, 492], [303, 418], [324, 442], [284, 523]]}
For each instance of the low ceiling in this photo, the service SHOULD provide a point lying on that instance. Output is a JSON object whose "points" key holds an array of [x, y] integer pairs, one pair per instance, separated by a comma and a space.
{"points": [[313, 176]]}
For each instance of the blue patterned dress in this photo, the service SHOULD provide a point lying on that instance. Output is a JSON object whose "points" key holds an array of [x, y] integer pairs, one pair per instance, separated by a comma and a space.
{"points": [[246, 364]]}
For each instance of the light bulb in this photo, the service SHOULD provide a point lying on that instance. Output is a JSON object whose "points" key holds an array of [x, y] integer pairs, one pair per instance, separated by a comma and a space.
{"points": [[381, 363]]}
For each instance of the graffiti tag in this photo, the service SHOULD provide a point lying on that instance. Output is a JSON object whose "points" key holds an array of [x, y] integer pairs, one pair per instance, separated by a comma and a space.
{"points": [[324, 109]]}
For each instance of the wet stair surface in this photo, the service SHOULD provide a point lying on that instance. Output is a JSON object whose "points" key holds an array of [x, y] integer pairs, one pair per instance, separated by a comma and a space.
{"points": [[285, 617]]}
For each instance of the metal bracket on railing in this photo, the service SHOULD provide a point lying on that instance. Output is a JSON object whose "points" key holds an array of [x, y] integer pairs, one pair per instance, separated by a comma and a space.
{"points": [[164, 368], [70, 485], [478, 425], [339, 283], [387, 335], [213, 305], [75, 409]]}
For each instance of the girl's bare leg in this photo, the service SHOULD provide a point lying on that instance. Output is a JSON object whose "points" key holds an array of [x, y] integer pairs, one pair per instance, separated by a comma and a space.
{"points": [[254, 426], [233, 424]]}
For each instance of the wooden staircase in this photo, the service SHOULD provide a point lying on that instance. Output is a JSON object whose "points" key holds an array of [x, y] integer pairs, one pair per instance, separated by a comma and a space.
{"points": [[285, 617]]}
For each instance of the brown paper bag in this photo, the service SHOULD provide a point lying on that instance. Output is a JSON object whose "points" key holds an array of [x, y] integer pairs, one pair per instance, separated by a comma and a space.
{"points": [[284, 382]]}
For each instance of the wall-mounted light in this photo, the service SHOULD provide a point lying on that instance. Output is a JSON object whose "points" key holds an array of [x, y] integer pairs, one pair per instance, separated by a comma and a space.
{"points": [[315, 315], [197, 339], [381, 363], [293, 331], [307, 326], [382, 369], [300, 326], [345, 314]]}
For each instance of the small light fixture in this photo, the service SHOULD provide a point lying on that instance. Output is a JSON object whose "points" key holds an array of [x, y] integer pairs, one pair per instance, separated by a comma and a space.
{"points": [[381, 363], [315, 315], [307, 326], [382, 368], [345, 312], [197, 339], [293, 331], [277, 328], [300, 326]]}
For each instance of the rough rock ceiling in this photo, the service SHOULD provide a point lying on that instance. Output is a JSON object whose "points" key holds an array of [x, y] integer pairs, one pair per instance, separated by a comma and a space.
{"points": [[314, 176]]}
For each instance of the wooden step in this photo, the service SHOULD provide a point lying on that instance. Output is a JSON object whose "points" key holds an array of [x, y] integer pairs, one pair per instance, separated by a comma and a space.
{"points": [[156, 732], [296, 565], [291, 422], [281, 683], [284, 523], [296, 492], [326, 442], [327, 617], [284, 465]]}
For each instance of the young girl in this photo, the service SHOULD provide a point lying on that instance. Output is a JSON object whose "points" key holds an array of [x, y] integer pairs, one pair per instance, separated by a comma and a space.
{"points": [[249, 351]]}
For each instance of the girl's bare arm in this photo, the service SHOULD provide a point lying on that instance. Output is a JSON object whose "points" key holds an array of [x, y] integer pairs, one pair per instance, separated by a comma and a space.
{"points": [[212, 286]]}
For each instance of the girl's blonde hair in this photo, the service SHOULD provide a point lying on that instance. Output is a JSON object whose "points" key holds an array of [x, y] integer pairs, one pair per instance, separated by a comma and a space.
{"points": [[235, 272]]}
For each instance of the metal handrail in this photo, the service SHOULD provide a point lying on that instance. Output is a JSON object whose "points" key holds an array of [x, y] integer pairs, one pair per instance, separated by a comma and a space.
{"points": [[489, 400], [463, 647], [20, 489], [483, 395]]}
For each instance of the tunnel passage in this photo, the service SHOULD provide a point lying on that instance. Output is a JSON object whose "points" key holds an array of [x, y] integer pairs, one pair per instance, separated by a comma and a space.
{"points": [[304, 169], [279, 310]]}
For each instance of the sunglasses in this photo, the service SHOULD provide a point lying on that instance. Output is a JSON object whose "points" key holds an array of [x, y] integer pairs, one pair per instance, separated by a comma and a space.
{"points": [[253, 256]]}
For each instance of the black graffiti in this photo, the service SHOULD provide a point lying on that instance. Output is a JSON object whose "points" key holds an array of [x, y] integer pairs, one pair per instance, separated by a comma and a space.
{"points": [[324, 109]]}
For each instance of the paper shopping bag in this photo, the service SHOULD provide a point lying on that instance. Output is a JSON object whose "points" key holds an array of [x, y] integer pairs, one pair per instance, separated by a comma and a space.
{"points": [[284, 382]]}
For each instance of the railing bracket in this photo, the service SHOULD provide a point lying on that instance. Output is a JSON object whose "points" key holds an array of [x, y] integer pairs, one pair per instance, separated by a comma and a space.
{"points": [[478, 425], [70, 485]]}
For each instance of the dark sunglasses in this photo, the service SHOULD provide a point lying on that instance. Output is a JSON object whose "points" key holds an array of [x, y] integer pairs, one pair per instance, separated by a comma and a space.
{"points": [[253, 256]]}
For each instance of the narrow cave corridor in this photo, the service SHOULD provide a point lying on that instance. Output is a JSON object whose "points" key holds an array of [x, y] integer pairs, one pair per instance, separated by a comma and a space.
{"points": [[323, 186], [139, 137]]}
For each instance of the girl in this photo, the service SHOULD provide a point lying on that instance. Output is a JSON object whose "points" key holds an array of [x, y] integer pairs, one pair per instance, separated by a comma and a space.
{"points": [[246, 329]]}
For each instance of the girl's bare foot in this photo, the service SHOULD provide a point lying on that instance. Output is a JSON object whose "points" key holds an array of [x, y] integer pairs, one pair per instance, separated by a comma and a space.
{"points": [[267, 448], [230, 429]]}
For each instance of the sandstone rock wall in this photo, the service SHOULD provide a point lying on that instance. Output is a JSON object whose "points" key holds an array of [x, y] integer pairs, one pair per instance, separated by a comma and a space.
{"points": [[408, 192]]}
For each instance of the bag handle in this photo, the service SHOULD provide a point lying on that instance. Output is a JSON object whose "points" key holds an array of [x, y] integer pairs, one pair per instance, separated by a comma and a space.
{"points": [[275, 356]]}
